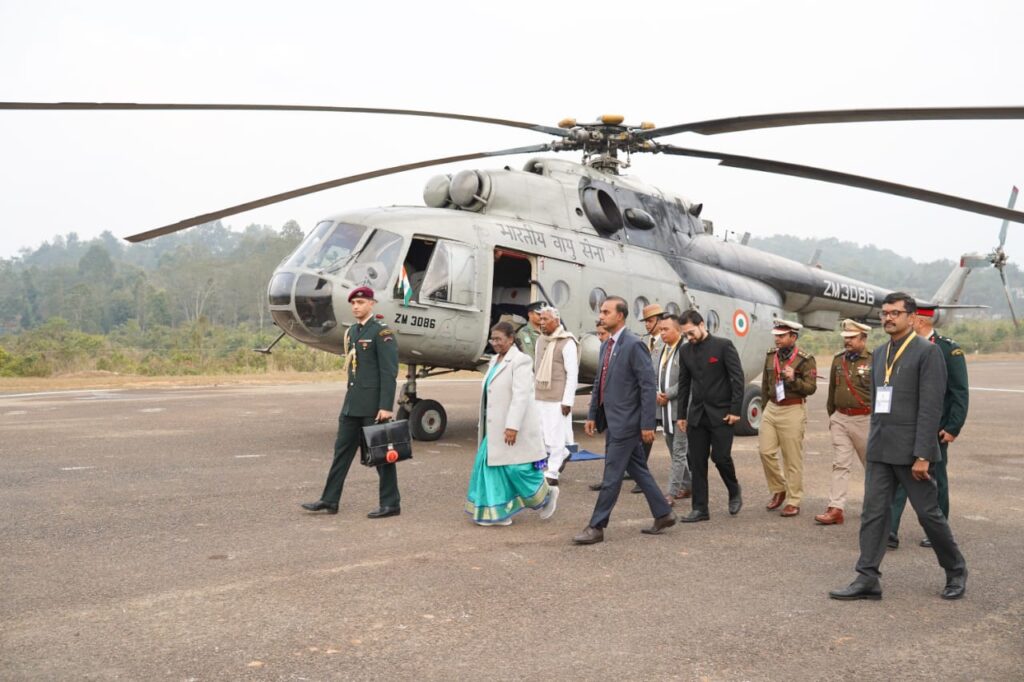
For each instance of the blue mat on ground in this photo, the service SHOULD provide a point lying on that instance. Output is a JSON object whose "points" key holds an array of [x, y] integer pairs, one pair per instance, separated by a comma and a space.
{"points": [[584, 455]]}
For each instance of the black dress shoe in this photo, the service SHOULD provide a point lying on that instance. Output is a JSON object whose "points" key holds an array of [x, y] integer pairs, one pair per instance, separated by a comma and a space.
{"points": [[589, 536], [383, 512], [735, 504], [320, 505], [858, 590], [694, 516], [926, 543], [893, 542], [955, 586], [636, 489], [661, 523], [595, 486]]}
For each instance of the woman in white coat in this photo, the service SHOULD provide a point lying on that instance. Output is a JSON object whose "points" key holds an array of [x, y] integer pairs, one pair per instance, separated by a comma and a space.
{"points": [[504, 481]]}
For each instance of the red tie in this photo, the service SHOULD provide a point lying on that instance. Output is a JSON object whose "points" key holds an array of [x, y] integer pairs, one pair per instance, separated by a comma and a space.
{"points": [[604, 369]]}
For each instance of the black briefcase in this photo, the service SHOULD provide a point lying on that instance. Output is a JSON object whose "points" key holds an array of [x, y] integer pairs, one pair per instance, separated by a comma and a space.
{"points": [[386, 443]]}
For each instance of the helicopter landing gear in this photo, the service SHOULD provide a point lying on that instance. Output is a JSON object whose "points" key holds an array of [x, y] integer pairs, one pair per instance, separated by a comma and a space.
{"points": [[427, 418]]}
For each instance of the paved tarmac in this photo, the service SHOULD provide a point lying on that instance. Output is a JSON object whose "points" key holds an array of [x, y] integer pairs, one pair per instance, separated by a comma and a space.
{"points": [[156, 534]]}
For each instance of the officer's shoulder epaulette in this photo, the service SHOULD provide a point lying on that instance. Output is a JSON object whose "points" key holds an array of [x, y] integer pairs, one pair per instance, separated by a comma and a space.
{"points": [[771, 350], [842, 352], [803, 353]]}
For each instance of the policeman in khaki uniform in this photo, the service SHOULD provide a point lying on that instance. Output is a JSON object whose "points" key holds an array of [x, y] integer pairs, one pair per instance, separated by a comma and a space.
{"points": [[849, 413], [371, 358], [790, 375], [954, 414]]}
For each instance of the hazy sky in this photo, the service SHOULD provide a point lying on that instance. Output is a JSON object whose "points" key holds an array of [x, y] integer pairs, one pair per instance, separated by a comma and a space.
{"points": [[534, 61]]}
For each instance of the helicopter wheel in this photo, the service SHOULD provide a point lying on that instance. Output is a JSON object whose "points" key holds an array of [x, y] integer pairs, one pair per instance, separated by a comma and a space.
{"points": [[753, 410], [427, 420]]}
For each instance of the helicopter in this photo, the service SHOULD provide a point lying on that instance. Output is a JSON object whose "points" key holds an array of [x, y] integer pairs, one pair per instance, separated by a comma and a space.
{"points": [[488, 242]]}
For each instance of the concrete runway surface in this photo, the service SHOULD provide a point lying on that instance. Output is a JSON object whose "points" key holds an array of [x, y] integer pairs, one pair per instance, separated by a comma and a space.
{"points": [[156, 534]]}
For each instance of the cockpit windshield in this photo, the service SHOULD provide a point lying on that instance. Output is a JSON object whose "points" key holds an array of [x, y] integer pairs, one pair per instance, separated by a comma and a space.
{"points": [[326, 248], [361, 256]]}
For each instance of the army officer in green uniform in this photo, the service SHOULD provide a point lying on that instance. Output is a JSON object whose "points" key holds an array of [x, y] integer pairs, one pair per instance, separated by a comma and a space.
{"points": [[372, 361], [954, 414]]}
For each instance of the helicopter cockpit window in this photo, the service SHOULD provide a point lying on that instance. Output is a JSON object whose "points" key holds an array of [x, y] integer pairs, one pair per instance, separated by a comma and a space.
{"points": [[375, 262], [326, 249], [309, 244], [451, 275]]}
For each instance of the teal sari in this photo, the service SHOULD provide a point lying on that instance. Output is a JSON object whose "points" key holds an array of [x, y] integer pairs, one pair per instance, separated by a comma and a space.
{"points": [[497, 493]]}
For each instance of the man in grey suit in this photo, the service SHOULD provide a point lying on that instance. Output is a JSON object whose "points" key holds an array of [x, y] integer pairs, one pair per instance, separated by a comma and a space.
{"points": [[622, 404], [680, 483], [909, 382]]}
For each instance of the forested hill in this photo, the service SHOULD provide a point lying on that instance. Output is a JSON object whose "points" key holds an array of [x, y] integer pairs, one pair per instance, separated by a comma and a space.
{"points": [[208, 272], [891, 270], [195, 302], [220, 276]]}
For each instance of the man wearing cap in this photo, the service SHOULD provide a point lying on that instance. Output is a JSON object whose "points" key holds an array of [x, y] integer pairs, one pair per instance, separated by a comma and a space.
{"points": [[529, 332], [790, 375], [849, 414], [954, 414], [371, 357]]}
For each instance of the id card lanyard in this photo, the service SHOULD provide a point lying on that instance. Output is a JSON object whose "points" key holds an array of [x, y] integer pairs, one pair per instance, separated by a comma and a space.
{"points": [[780, 387], [883, 395]]}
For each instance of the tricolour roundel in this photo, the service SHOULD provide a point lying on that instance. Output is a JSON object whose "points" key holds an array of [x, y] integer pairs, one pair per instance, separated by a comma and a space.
{"points": [[740, 323]]}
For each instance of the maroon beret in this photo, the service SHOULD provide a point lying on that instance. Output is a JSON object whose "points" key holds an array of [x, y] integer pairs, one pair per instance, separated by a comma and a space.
{"points": [[361, 292]]}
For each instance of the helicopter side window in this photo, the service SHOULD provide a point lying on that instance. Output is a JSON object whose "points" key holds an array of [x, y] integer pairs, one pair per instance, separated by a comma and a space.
{"points": [[451, 275], [375, 262]]}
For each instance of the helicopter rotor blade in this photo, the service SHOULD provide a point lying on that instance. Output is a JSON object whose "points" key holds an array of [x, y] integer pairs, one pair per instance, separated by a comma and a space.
{"points": [[799, 118], [311, 189], [1006, 223], [1009, 298], [836, 177], [131, 106]]}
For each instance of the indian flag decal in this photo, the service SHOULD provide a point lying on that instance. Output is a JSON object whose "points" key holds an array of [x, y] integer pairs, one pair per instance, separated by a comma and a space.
{"points": [[406, 288], [740, 323]]}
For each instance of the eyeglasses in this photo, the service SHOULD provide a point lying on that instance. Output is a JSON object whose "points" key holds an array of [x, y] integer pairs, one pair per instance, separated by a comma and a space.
{"points": [[891, 313]]}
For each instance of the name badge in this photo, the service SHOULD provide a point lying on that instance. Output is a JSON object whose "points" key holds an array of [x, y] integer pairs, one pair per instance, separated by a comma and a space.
{"points": [[883, 400], [780, 391]]}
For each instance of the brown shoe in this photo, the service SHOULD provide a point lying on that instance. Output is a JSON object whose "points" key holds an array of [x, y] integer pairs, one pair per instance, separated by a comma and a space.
{"points": [[790, 510], [832, 516], [776, 501], [661, 523], [682, 495], [589, 536]]}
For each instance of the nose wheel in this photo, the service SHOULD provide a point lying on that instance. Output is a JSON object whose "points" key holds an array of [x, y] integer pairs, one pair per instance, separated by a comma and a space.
{"points": [[427, 418]]}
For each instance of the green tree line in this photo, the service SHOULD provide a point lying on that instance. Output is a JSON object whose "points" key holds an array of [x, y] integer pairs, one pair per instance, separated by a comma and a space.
{"points": [[195, 302]]}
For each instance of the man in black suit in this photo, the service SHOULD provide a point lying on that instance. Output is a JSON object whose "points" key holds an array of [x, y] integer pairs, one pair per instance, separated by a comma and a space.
{"points": [[710, 397], [909, 381], [622, 404]]}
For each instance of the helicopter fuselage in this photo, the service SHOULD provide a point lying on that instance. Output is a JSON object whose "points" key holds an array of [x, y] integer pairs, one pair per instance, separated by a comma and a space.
{"points": [[529, 235]]}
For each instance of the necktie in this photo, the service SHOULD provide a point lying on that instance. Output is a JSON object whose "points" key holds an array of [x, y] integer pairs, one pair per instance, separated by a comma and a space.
{"points": [[604, 368]]}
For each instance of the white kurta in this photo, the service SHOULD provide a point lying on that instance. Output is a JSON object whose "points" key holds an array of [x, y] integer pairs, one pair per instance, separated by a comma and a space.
{"points": [[557, 427]]}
